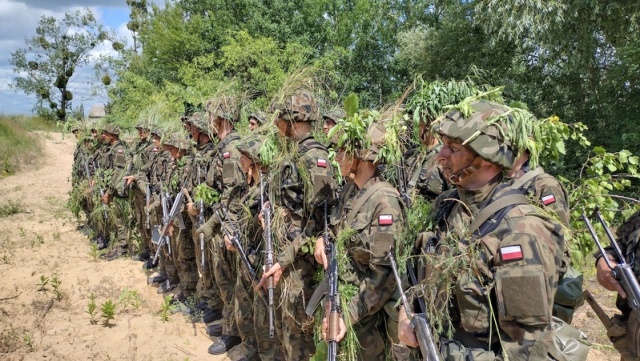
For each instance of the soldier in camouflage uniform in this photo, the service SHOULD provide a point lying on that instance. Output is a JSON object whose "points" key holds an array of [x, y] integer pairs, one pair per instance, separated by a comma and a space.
{"points": [[115, 161], [301, 186], [625, 330], [199, 163], [139, 154], [331, 119], [182, 245], [375, 213], [257, 119], [225, 175], [503, 306]]}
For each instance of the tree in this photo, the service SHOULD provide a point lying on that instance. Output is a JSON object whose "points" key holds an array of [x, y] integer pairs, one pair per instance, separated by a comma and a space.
{"points": [[53, 56], [138, 18]]}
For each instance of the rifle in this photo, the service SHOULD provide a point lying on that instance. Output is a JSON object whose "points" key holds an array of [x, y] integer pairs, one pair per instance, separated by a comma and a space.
{"points": [[162, 238], [402, 184], [243, 255], [622, 272], [127, 173], [148, 202], [419, 322], [333, 295], [268, 250]]}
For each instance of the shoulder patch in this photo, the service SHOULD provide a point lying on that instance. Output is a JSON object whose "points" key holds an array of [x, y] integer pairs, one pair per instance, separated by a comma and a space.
{"points": [[385, 219], [511, 253], [548, 199], [120, 151], [155, 149], [226, 155], [321, 162]]}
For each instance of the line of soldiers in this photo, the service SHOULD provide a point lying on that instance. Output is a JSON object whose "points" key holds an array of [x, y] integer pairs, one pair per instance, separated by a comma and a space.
{"points": [[247, 240]]}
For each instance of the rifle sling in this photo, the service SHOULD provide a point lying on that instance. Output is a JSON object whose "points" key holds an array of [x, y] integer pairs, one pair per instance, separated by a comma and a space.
{"points": [[509, 199], [361, 201]]}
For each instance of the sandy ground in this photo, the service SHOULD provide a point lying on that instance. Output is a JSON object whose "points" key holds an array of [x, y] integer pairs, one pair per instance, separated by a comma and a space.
{"points": [[44, 324]]}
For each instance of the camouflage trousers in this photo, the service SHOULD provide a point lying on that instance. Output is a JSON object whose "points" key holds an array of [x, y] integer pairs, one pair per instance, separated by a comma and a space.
{"points": [[140, 214], [224, 268], [184, 257], [166, 265], [618, 336], [296, 287], [371, 339], [268, 348], [243, 312], [206, 288]]}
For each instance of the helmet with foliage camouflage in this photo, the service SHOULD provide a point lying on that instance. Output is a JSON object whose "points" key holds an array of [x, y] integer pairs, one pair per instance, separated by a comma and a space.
{"points": [[297, 107], [334, 115], [199, 120], [157, 131], [225, 107], [178, 140], [143, 125], [111, 129], [259, 116], [251, 148], [483, 130]]}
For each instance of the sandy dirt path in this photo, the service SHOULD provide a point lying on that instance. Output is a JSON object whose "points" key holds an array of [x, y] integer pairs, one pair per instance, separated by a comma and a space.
{"points": [[44, 241]]}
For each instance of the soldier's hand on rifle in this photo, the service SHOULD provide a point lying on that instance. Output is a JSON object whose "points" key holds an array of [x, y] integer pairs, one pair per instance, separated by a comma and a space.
{"points": [[405, 332], [105, 198], [129, 179], [319, 254], [275, 271], [92, 182], [342, 328], [229, 244], [193, 211], [606, 279]]}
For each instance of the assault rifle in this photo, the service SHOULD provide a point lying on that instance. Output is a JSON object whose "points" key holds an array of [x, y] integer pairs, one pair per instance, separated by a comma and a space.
{"points": [[402, 184], [238, 246], [333, 296], [162, 238], [419, 322], [622, 271], [198, 224], [147, 221], [127, 173], [268, 251]]}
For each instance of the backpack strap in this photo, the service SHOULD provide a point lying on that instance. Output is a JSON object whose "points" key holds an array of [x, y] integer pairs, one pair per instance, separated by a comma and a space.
{"points": [[356, 207], [532, 174], [498, 207]]}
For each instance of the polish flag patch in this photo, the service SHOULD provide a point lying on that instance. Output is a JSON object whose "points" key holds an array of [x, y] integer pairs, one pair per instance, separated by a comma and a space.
{"points": [[226, 155], [120, 151], [321, 163], [385, 220], [511, 253], [548, 199], [154, 150]]}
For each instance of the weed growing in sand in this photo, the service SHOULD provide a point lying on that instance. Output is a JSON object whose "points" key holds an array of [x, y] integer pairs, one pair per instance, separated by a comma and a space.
{"points": [[23, 232], [44, 281], [55, 284], [37, 241], [56, 236], [6, 259], [108, 312], [130, 298], [10, 208], [166, 308], [28, 341], [92, 309], [95, 252]]}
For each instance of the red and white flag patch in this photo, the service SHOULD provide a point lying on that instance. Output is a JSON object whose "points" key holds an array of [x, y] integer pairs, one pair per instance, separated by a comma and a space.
{"points": [[511, 253], [120, 151], [385, 220], [155, 149], [548, 199], [226, 155], [321, 163]]}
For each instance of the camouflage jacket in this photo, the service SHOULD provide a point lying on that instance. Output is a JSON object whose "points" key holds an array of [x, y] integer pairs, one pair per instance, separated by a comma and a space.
{"points": [[547, 190], [140, 154], [515, 279], [423, 175], [154, 172], [225, 174], [80, 155], [116, 160], [375, 213], [301, 186]]}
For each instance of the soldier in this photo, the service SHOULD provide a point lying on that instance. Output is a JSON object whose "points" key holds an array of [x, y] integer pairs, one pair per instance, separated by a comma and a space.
{"points": [[623, 332], [208, 297], [331, 119], [115, 160], [256, 120], [375, 213], [302, 185], [503, 303], [227, 178]]}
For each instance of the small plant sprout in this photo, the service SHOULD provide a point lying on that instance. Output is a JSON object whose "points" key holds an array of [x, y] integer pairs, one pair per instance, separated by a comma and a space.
{"points": [[44, 281], [108, 312], [92, 308]]}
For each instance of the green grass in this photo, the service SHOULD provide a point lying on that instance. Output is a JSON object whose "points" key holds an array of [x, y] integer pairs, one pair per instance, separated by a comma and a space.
{"points": [[20, 147]]}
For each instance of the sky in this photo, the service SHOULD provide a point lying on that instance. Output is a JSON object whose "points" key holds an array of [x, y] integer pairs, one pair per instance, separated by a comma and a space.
{"points": [[18, 21]]}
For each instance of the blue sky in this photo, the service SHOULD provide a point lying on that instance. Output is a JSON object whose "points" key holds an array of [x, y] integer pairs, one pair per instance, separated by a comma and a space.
{"points": [[18, 21]]}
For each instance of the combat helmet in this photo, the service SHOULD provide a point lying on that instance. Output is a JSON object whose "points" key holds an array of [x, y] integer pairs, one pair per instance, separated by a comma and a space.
{"points": [[199, 120], [481, 130], [111, 129], [300, 106], [259, 116], [251, 148], [225, 107], [335, 115], [178, 140]]}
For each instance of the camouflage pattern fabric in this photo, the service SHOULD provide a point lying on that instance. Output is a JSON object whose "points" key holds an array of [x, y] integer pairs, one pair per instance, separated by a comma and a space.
{"points": [[300, 106], [485, 138], [423, 175], [116, 161], [140, 154], [378, 220], [518, 268]]}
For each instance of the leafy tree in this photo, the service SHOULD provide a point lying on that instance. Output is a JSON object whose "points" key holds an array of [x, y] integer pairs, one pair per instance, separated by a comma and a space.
{"points": [[47, 66], [138, 18]]}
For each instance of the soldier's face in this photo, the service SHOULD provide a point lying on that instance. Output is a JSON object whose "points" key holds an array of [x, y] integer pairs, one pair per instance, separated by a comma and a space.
{"points": [[245, 163], [253, 124], [453, 158], [328, 124], [143, 133], [345, 162], [282, 126]]}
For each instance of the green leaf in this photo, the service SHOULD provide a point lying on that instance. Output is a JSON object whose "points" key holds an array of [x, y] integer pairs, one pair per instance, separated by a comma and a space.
{"points": [[351, 104], [633, 160], [599, 151]]}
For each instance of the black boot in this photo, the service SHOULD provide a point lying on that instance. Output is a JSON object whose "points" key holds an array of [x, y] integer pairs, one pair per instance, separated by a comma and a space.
{"points": [[143, 256], [158, 280], [166, 286], [149, 264], [223, 344], [210, 315], [214, 330]]}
